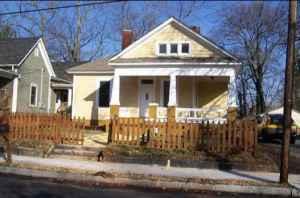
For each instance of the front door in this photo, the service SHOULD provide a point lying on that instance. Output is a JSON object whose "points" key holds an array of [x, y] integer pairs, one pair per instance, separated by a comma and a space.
{"points": [[146, 95]]}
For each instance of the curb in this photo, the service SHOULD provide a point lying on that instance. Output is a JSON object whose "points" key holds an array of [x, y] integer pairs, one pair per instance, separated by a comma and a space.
{"points": [[144, 183]]}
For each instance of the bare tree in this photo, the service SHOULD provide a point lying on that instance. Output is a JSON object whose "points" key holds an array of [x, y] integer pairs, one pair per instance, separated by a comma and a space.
{"points": [[141, 17], [255, 32], [73, 38]]}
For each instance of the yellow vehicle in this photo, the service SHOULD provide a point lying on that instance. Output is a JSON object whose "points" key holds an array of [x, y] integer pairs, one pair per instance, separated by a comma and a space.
{"points": [[273, 129]]}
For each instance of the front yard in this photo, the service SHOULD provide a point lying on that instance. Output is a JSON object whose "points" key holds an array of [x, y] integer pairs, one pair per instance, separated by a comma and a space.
{"points": [[266, 158]]}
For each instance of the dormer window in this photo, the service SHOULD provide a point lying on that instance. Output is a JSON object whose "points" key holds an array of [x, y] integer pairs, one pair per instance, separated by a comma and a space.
{"points": [[185, 48], [162, 49], [174, 48]]}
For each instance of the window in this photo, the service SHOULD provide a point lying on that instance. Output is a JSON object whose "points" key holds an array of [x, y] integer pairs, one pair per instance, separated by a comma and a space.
{"points": [[166, 87], [174, 48], [171, 49], [162, 49], [147, 81], [33, 95], [185, 48], [103, 98], [36, 52]]}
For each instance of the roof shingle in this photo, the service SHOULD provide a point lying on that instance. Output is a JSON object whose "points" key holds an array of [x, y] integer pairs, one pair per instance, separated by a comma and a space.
{"points": [[100, 65], [13, 50]]}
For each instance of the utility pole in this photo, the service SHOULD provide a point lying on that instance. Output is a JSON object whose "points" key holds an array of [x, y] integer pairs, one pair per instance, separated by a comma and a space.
{"points": [[288, 92]]}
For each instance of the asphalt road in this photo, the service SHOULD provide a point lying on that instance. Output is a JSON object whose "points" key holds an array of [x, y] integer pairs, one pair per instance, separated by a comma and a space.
{"points": [[20, 187]]}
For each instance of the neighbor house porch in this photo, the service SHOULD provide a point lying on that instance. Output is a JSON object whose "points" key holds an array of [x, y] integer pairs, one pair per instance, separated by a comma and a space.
{"points": [[188, 93]]}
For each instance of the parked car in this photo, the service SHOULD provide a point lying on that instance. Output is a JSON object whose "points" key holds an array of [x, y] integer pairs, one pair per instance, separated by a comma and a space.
{"points": [[273, 129]]}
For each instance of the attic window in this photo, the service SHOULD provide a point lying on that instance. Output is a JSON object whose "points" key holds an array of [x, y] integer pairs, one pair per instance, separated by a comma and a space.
{"points": [[174, 48], [36, 52], [162, 48], [185, 48]]}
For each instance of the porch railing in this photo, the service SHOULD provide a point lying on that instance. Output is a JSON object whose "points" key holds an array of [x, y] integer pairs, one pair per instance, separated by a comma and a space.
{"points": [[127, 112], [200, 114]]}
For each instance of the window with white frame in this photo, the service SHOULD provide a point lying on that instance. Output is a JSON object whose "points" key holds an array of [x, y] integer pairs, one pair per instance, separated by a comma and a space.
{"points": [[103, 94], [171, 49], [185, 48], [33, 95], [162, 49]]}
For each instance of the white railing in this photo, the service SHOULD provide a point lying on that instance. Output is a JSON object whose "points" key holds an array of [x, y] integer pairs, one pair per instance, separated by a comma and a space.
{"points": [[162, 112], [200, 113], [103, 113], [127, 112]]}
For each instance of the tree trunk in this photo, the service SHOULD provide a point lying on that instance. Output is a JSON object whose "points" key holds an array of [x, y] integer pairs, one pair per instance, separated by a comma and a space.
{"points": [[260, 100]]}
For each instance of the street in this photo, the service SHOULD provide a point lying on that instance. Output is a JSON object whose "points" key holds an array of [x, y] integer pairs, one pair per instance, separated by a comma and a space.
{"points": [[20, 187]]}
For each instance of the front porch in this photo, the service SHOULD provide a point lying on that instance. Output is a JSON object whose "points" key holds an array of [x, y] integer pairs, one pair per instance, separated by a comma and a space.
{"points": [[189, 95]]}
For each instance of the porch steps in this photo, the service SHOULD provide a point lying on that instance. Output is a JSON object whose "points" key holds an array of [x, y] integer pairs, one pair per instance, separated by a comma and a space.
{"points": [[75, 152]]}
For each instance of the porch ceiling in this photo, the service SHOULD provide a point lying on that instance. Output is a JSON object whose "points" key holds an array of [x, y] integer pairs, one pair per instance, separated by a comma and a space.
{"points": [[177, 71]]}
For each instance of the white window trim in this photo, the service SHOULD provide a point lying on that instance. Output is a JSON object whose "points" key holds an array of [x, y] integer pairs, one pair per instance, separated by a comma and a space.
{"points": [[36, 95], [98, 89], [172, 43], [157, 49], [179, 48], [190, 48]]}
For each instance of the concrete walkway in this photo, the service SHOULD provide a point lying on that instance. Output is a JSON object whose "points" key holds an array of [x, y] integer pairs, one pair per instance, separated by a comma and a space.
{"points": [[156, 170]]}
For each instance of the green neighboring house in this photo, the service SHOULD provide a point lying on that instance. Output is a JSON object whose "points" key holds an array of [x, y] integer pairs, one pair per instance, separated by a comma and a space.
{"points": [[28, 82]]}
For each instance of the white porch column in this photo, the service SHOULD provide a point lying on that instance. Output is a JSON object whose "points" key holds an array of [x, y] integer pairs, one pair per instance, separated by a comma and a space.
{"points": [[115, 95], [15, 94], [172, 91], [232, 95], [69, 97]]}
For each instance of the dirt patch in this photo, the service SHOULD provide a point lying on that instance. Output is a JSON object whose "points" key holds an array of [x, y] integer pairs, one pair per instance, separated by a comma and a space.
{"points": [[238, 160], [274, 156]]}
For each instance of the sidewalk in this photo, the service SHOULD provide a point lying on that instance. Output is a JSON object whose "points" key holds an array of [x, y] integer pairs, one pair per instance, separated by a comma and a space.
{"points": [[155, 170]]}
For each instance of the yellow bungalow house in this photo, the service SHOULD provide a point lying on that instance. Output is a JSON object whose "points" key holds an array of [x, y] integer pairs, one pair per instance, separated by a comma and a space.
{"points": [[171, 71]]}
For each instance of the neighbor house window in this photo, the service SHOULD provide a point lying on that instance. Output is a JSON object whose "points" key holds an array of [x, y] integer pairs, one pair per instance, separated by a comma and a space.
{"points": [[185, 48], [162, 48], [33, 95], [174, 48], [103, 98]]}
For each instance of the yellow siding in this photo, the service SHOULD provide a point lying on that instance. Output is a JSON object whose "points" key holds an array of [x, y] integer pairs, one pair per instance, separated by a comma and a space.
{"points": [[168, 34], [129, 91], [85, 97], [212, 94], [184, 91]]}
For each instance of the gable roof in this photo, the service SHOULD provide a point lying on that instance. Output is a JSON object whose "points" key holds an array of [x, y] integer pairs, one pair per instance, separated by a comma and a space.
{"points": [[98, 66], [60, 69], [184, 27], [13, 50]]}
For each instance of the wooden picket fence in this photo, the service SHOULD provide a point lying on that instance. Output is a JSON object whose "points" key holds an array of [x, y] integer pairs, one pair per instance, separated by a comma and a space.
{"points": [[214, 137], [55, 128]]}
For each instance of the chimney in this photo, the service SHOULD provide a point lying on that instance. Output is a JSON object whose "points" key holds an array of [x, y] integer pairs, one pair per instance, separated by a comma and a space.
{"points": [[127, 38], [196, 29]]}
